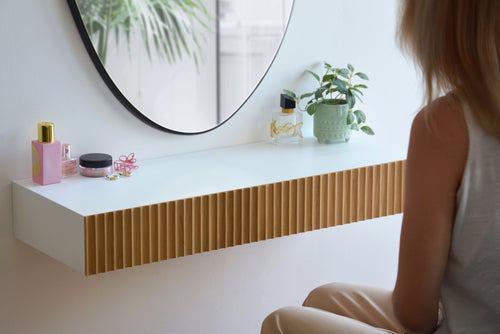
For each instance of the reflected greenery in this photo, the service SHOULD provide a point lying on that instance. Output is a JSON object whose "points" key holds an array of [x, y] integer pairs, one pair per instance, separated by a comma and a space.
{"points": [[170, 27]]}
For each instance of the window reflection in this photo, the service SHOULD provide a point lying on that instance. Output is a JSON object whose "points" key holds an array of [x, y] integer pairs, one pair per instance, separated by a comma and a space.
{"points": [[250, 33]]}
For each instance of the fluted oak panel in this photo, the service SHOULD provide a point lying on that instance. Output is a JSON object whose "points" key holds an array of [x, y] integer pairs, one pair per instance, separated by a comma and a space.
{"points": [[162, 231]]}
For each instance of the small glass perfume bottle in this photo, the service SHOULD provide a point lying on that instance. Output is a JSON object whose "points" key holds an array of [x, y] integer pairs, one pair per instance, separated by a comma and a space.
{"points": [[286, 126], [69, 165], [46, 156]]}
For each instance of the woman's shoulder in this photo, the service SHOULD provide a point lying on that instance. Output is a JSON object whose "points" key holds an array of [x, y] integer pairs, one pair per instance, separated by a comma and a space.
{"points": [[439, 137], [443, 120]]}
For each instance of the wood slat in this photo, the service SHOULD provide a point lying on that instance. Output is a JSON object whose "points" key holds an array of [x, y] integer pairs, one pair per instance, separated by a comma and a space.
{"points": [[100, 243], [90, 246], [119, 240], [131, 237]]}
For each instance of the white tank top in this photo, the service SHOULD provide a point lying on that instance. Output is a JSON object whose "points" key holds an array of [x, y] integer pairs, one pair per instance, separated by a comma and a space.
{"points": [[471, 285]]}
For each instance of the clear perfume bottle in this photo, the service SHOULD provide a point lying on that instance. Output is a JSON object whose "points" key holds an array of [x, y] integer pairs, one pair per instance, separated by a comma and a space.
{"points": [[69, 165], [286, 126]]}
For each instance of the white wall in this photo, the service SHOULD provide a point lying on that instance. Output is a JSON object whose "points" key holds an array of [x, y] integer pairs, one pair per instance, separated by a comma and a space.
{"points": [[46, 75]]}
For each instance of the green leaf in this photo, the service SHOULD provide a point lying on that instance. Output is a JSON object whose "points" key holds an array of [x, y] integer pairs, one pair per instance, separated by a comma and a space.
{"points": [[360, 116], [319, 92], [328, 66], [360, 86], [351, 100], [344, 71], [367, 130], [314, 75], [328, 77], [350, 118], [344, 75], [290, 93], [303, 96], [357, 96], [340, 83], [350, 67], [357, 90], [342, 90], [354, 127], [362, 75], [311, 109]]}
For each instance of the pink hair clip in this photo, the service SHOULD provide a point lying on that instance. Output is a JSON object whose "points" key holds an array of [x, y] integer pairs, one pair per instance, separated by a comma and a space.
{"points": [[125, 164]]}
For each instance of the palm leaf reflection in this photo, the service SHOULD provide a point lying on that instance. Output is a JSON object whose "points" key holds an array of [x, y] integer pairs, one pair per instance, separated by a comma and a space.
{"points": [[172, 28]]}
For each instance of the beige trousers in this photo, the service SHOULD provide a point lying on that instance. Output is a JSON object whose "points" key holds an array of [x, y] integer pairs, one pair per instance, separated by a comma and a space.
{"points": [[337, 309]]}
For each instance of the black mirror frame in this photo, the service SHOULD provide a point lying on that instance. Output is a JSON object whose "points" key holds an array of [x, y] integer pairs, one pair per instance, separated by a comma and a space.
{"points": [[75, 12]]}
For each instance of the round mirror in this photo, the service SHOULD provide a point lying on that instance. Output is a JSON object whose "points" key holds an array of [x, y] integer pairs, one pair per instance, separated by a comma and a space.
{"points": [[183, 66]]}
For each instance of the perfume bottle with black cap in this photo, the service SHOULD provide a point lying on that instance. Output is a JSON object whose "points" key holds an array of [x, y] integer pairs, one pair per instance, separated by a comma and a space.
{"points": [[286, 125]]}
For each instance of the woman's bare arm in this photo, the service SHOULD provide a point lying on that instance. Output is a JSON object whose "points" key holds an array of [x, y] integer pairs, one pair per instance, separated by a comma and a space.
{"points": [[435, 164]]}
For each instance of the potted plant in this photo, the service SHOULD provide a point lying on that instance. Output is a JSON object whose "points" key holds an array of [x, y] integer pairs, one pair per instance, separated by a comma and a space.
{"points": [[332, 104]]}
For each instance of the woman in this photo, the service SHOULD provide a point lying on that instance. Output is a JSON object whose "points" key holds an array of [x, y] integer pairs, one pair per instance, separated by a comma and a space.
{"points": [[450, 236]]}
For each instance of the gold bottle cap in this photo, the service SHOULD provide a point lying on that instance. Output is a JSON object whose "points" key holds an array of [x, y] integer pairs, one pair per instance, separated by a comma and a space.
{"points": [[46, 132]]}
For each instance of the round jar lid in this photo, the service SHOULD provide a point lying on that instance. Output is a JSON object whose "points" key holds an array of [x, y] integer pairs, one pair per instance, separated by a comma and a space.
{"points": [[96, 160]]}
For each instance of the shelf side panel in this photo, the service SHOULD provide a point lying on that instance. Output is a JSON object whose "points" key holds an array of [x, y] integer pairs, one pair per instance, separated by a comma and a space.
{"points": [[48, 227]]}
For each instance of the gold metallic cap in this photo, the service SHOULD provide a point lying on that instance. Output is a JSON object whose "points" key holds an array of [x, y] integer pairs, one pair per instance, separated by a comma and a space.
{"points": [[46, 132], [287, 110]]}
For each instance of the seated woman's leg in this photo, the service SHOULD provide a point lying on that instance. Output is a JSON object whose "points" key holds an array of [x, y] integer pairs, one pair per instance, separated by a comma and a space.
{"points": [[337, 308], [308, 320], [369, 305]]}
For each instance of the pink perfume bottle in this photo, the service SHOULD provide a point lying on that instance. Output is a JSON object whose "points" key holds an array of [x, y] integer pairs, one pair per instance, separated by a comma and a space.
{"points": [[46, 156]]}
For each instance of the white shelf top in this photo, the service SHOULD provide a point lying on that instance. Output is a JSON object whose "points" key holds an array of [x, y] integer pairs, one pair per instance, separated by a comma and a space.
{"points": [[212, 171]]}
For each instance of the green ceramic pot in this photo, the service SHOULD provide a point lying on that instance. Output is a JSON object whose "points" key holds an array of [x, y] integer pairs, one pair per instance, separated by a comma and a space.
{"points": [[330, 123]]}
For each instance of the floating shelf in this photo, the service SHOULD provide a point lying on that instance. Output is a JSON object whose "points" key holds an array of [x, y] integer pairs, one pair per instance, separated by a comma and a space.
{"points": [[197, 202]]}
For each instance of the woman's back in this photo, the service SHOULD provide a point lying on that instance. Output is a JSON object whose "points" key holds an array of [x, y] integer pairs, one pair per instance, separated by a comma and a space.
{"points": [[471, 285]]}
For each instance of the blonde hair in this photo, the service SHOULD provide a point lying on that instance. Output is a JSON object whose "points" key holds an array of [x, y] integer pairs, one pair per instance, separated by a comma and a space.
{"points": [[456, 43]]}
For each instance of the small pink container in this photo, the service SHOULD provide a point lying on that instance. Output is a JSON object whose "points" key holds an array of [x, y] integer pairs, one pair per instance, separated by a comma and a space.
{"points": [[96, 165]]}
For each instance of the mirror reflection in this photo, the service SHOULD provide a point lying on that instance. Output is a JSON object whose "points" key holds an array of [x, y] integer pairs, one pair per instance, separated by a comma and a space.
{"points": [[182, 65]]}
